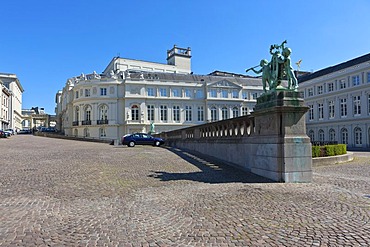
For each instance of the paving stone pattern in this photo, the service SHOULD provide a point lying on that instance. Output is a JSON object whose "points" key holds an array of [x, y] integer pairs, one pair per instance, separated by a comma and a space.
{"points": [[70, 193]]}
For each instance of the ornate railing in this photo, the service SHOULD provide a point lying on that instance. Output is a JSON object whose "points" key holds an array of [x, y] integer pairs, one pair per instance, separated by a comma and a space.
{"points": [[75, 123], [99, 122], [86, 122], [229, 128]]}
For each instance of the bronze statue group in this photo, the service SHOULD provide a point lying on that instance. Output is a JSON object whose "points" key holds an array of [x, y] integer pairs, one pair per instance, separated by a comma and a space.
{"points": [[278, 69]]}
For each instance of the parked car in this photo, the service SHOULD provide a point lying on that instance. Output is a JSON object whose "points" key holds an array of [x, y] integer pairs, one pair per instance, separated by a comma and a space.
{"points": [[3, 134], [141, 139], [11, 131]]}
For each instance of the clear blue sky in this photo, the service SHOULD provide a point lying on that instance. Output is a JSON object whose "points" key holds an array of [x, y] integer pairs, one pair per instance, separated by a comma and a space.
{"points": [[47, 42]]}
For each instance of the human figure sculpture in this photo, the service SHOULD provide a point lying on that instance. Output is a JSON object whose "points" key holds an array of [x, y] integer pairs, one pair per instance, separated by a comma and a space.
{"points": [[278, 69], [289, 72], [266, 73]]}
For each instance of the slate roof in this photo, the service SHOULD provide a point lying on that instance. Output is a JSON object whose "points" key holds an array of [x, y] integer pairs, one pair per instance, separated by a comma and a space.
{"points": [[332, 69]]}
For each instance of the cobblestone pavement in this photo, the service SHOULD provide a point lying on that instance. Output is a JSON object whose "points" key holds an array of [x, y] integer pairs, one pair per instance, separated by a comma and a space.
{"points": [[69, 193]]}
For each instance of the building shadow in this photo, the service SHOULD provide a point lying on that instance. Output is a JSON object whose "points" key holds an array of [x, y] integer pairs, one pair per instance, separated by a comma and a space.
{"points": [[211, 171]]}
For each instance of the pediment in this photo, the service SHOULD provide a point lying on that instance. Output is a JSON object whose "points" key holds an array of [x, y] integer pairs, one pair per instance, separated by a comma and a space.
{"points": [[224, 84]]}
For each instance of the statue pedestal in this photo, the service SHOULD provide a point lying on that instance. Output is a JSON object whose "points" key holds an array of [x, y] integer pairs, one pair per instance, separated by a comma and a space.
{"points": [[283, 150]]}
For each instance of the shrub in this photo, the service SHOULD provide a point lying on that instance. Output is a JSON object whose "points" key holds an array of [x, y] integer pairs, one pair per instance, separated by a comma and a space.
{"points": [[329, 150]]}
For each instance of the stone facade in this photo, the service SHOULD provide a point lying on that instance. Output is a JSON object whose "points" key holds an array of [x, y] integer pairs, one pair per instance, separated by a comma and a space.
{"points": [[130, 95], [339, 102], [11, 92]]}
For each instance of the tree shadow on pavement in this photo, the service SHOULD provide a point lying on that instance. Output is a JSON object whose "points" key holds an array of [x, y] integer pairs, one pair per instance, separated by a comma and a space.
{"points": [[212, 171]]}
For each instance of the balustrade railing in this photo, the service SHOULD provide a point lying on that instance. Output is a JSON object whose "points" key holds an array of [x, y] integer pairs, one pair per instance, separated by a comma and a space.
{"points": [[86, 122], [75, 123], [230, 128], [99, 122]]}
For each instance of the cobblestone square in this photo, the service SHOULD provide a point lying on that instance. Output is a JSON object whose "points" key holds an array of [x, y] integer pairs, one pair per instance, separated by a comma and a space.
{"points": [[69, 193]]}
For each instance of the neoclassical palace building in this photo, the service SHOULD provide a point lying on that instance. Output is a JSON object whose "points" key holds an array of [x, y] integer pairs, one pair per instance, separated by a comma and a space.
{"points": [[135, 96], [338, 98], [11, 92]]}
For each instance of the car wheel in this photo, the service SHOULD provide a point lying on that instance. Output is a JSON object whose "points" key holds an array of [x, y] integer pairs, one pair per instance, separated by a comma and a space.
{"points": [[157, 143], [131, 144]]}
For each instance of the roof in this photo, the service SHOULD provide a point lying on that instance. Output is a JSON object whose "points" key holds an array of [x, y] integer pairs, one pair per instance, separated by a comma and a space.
{"points": [[332, 69], [250, 81]]}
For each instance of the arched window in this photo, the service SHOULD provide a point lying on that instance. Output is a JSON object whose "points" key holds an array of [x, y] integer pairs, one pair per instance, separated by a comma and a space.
{"points": [[86, 132], [344, 136], [235, 111], [135, 113], [213, 114], [358, 136], [321, 135], [103, 112], [311, 134], [77, 113], [224, 113], [75, 132], [102, 132], [332, 135], [87, 115]]}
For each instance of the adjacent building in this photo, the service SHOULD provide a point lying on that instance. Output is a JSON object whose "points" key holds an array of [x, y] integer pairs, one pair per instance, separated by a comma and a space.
{"points": [[338, 98], [135, 96], [11, 92]]}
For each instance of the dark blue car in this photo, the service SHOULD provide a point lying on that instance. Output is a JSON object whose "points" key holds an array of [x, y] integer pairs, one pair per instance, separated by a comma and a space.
{"points": [[141, 139]]}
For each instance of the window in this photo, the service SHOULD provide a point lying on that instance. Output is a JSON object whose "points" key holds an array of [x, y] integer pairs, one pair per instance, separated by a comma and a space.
{"points": [[255, 95], [368, 77], [235, 94], [150, 91], [311, 134], [358, 136], [86, 132], [331, 86], [163, 113], [200, 113], [311, 113], [320, 89], [331, 109], [224, 113], [310, 92], [150, 109], [344, 136], [188, 93], [245, 111], [321, 135], [356, 105], [235, 112], [176, 113], [213, 114], [343, 107], [332, 135], [77, 114], [368, 104], [245, 94], [320, 108], [213, 93], [87, 92], [175, 92], [200, 94], [342, 84], [224, 94], [355, 80], [163, 92], [88, 113], [102, 132], [76, 94], [103, 112], [103, 91], [135, 113], [188, 114]]}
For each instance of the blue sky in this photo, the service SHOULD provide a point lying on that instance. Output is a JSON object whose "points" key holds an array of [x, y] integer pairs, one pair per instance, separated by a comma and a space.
{"points": [[47, 42]]}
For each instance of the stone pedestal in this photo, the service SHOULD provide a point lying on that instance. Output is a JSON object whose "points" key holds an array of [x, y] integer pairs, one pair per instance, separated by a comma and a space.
{"points": [[283, 150]]}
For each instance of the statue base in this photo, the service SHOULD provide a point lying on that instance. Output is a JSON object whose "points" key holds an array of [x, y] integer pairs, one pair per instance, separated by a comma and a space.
{"points": [[283, 151]]}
